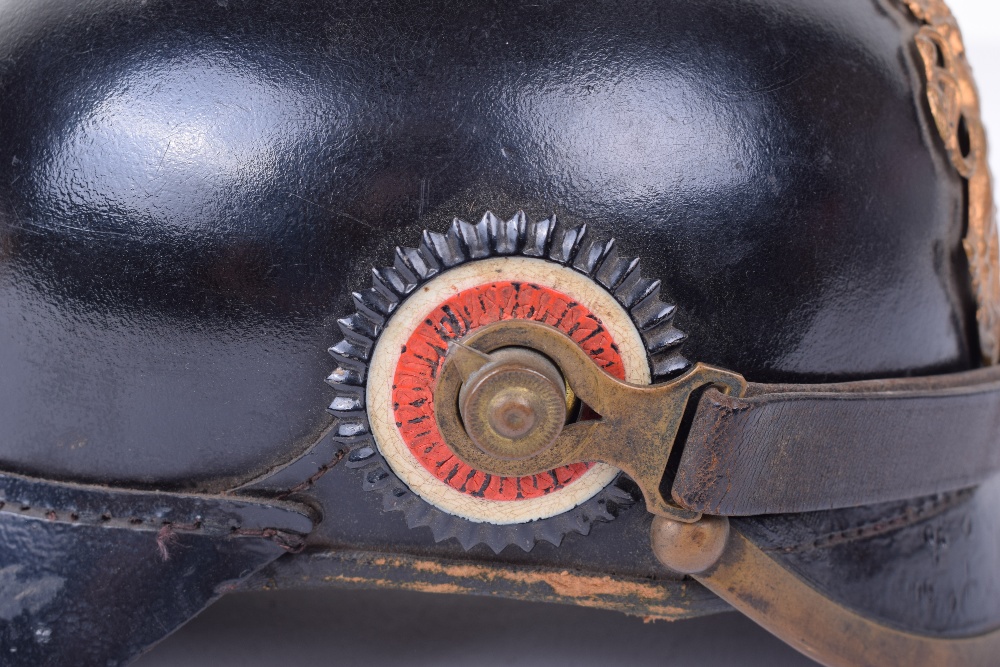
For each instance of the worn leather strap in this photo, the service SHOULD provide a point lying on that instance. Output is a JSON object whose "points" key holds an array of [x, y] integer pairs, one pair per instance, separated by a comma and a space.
{"points": [[798, 448]]}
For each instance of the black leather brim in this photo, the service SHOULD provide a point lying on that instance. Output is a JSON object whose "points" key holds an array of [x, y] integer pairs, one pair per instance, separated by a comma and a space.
{"points": [[930, 566]]}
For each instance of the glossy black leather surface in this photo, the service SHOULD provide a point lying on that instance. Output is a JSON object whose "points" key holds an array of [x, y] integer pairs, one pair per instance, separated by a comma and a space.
{"points": [[98, 594], [931, 565], [189, 190]]}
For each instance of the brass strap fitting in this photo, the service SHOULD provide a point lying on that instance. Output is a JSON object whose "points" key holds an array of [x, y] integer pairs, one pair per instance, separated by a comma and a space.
{"points": [[500, 378], [503, 397], [739, 572]]}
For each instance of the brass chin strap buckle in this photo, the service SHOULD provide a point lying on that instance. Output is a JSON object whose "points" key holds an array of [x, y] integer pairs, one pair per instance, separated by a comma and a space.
{"points": [[504, 394]]}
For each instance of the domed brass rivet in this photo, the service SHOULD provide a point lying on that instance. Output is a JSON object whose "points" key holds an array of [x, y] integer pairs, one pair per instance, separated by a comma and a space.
{"points": [[514, 406], [689, 548]]}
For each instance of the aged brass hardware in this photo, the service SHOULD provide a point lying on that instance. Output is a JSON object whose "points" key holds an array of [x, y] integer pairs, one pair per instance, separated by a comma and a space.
{"points": [[739, 572], [635, 426], [954, 105], [689, 548], [501, 405], [513, 406]]}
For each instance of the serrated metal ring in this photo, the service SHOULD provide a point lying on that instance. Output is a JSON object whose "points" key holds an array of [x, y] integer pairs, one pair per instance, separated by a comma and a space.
{"points": [[595, 272]]}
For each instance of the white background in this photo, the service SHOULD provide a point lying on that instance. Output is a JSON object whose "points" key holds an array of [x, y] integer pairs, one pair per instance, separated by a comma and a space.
{"points": [[370, 628]]}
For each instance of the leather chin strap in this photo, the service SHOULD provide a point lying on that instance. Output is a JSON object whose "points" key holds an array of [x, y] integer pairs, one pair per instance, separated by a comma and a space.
{"points": [[798, 448], [758, 449], [747, 449]]}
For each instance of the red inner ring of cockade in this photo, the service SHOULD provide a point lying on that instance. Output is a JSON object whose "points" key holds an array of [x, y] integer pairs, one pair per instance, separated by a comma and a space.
{"points": [[421, 358]]}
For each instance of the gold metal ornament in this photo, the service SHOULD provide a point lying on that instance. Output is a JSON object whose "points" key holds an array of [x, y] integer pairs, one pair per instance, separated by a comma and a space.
{"points": [[954, 105]]}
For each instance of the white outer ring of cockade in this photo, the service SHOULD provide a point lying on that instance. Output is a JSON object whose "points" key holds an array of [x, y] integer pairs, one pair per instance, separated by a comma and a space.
{"points": [[408, 317]]}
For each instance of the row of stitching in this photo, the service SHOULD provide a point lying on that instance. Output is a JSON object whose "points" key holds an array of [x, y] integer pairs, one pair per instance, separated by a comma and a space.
{"points": [[323, 469], [909, 515], [167, 530], [88, 518]]}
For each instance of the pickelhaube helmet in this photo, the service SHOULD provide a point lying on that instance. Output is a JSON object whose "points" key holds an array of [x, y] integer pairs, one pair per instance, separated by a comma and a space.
{"points": [[663, 307]]}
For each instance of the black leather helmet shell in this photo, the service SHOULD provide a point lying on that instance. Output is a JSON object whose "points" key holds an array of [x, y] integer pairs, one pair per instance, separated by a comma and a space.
{"points": [[193, 190]]}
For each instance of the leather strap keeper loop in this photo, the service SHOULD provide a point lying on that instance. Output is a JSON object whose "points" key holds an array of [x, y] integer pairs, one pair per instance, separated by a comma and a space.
{"points": [[798, 448]]}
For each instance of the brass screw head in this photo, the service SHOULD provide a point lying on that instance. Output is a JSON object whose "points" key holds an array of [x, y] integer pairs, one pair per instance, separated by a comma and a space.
{"points": [[689, 548], [514, 406]]}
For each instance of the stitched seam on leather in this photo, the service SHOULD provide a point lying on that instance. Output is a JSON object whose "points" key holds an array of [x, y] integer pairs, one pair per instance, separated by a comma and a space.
{"points": [[911, 514], [165, 536], [325, 468]]}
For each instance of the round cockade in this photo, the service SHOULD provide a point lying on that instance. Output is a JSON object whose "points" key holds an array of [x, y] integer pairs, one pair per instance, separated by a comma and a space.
{"points": [[446, 290], [401, 407]]}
